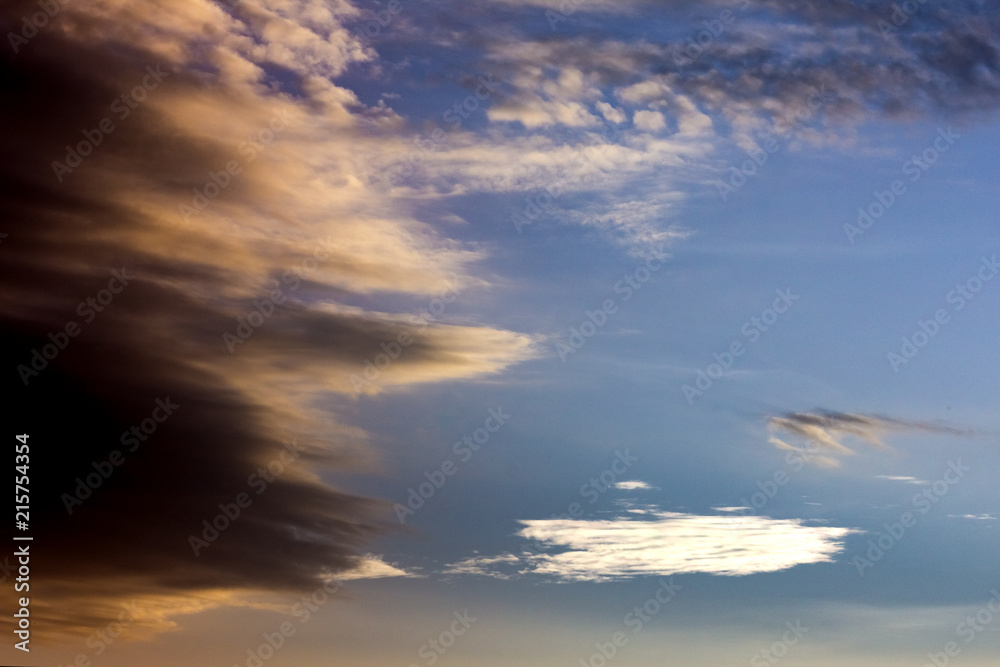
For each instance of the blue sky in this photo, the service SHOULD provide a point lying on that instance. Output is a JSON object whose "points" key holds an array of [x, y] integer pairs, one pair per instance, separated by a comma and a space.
{"points": [[589, 348]]}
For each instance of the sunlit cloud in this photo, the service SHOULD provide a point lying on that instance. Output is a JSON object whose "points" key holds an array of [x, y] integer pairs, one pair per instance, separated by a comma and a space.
{"points": [[632, 485], [660, 543], [374, 567], [264, 263]]}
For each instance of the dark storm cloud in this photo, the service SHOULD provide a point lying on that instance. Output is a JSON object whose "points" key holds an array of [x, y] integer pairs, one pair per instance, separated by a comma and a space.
{"points": [[113, 311], [129, 538]]}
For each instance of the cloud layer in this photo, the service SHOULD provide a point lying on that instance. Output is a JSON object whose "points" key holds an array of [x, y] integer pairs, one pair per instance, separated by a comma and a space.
{"points": [[211, 154], [187, 226], [615, 114]]}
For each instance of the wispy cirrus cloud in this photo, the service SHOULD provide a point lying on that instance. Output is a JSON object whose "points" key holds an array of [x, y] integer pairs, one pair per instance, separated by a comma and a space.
{"points": [[824, 433]]}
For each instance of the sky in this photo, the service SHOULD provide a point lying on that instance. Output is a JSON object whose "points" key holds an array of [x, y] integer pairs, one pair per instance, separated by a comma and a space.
{"points": [[510, 332]]}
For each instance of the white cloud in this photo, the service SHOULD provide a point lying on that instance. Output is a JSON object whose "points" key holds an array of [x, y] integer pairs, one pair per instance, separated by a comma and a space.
{"points": [[633, 485], [534, 113], [373, 567], [645, 92], [692, 121], [649, 121], [485, 566], [609, 112], [627, 187], [660, 543]]}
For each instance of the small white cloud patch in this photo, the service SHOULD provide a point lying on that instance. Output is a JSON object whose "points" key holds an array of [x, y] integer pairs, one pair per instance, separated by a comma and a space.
{"points": [[901, 478], [633, 485], [373, 567]]}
